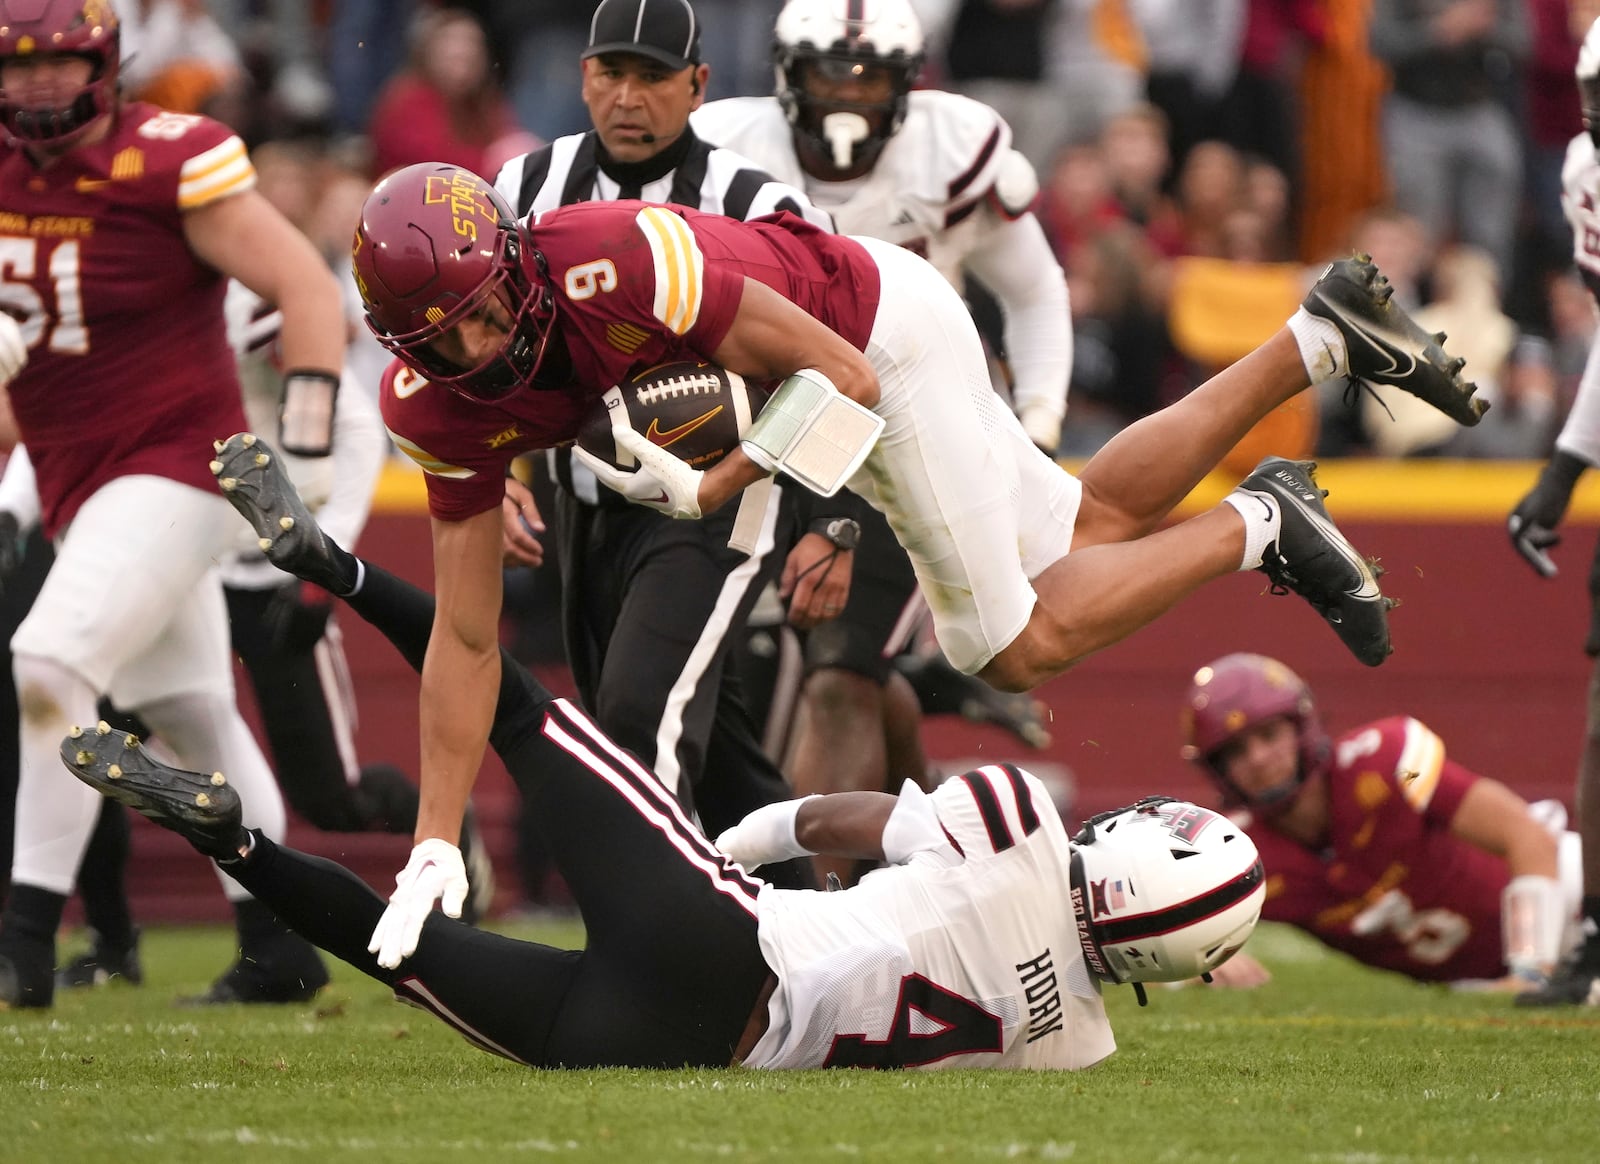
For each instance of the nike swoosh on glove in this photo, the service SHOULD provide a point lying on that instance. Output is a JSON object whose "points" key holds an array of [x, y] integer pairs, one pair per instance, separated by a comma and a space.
{"points": [[13, 348], [662, 482], [434, 873]]}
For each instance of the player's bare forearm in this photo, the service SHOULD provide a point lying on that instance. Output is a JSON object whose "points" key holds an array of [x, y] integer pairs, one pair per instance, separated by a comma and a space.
{"points": [[845, 824], [1496, 820], [461, 673], [726, 479], [772, 338]]}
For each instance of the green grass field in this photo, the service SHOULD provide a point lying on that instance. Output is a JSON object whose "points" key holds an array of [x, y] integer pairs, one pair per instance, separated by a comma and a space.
{"points": [[1330, 1062]]}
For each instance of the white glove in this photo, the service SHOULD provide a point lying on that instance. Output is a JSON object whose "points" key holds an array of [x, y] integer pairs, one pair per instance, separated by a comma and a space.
{"points": [[662, 482], [765, 835], [13, 349], [434, 873]]}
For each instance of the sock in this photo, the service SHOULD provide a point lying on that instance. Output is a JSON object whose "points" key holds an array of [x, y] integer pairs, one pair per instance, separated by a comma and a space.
{"points": [[32, 915], [1262, 520], [349, 566], [102, 885], [1322, 348]]}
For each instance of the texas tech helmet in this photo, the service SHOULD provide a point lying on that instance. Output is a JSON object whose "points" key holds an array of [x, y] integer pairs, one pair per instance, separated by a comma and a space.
{"points": [[434, 244], [83, 28], [844, 34], [1164, 890], [1237, 692]]}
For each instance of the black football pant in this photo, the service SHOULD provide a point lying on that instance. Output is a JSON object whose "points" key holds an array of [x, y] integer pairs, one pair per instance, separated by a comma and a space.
{"points": [[672, 969]]}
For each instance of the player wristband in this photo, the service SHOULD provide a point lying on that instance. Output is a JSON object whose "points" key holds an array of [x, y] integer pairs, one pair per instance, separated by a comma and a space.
{"points": [[1533, 917], [812, 432], [305, 413]]}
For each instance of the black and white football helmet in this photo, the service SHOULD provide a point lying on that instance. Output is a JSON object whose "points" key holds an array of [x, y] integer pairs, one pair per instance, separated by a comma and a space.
{"points": [[846, 34], [1164, 890]]}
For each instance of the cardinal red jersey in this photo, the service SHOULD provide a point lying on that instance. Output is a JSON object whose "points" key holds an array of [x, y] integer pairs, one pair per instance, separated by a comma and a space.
{"points": [[1394, 888], [635, 285], [129, 370]]}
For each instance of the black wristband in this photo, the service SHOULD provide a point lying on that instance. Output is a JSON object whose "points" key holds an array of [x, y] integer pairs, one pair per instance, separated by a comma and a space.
{"points": [[843, 532]]}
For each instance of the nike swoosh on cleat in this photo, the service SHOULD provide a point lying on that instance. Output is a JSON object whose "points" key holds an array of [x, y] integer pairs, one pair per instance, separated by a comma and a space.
{"points": [[1377, 341], [1368, 590], [662, 438]]}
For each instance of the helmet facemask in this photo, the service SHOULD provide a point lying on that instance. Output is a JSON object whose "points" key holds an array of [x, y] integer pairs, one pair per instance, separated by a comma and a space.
{"points": [[850, 134], [875, 46], [437, 248], [87, 30], [528, 312]]}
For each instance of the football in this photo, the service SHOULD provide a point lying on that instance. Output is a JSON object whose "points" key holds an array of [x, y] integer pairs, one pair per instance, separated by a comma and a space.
{"points": [[696, 411]]}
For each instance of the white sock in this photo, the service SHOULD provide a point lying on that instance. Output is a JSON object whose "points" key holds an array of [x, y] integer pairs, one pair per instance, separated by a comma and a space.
{"points": [[1261, 523], [1322, 348]]}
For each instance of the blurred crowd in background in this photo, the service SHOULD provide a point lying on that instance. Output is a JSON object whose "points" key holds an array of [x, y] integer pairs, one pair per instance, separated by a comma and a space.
{"points": [[1195, 158]]}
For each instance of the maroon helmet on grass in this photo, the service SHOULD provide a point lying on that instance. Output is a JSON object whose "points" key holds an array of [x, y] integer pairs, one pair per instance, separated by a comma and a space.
{"points": [[1235, 693], [434, 244], [83, 28]]}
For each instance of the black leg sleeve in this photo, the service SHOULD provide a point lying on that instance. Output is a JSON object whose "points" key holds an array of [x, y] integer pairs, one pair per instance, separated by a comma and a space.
{"points": [[501, 994]]}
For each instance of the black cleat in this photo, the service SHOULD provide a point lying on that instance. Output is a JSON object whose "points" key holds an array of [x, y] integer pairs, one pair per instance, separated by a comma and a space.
{"points": [[252, 477], [1313, 559], [1384, 344], [203, 810], [26, 981], [263, 982], [100, 965]]}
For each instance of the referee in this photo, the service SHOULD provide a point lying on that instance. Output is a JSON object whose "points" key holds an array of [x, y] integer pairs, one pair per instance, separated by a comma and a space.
{"points": [[652, 606]]}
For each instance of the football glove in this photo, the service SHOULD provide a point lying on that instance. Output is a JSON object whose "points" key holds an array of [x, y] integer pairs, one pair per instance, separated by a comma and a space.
{"points": [[13, 348], [1532, 524], [765, 836], [434, 873], [662, 482]]}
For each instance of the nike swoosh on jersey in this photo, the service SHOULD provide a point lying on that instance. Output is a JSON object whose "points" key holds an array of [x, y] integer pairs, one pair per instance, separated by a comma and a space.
{"points": [[1368, 590], [662, 438], [1378, 342]]}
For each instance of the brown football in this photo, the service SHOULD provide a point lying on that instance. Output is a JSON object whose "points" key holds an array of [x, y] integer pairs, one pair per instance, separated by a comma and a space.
{"points": [[696, 411]]}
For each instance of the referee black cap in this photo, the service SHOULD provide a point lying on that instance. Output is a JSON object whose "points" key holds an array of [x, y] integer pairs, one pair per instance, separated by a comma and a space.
{"points": [[663, 30]]}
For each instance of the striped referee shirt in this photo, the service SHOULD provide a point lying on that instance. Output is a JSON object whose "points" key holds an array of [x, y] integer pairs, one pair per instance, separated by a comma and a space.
{"points": [[689, 172]]}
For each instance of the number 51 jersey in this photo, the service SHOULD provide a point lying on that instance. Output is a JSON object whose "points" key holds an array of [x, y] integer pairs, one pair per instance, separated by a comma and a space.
{"points": [[129, 369], [965, 956]]}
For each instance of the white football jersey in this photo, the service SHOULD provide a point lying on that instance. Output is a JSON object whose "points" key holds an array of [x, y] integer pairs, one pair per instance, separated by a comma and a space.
{"points": [[967, 955], [1580, 199], [949, 187]]}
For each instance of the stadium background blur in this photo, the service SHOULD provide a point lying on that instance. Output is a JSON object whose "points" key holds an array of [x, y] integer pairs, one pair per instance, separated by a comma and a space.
{"points": [[1197, 160]]}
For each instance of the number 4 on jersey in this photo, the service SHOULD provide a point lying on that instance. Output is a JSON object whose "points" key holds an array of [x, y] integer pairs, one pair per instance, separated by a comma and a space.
{"points": [[950, 1025]]}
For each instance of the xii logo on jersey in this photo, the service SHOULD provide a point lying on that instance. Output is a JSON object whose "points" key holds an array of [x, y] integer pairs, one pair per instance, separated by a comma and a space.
{"points": [[503, 437]]}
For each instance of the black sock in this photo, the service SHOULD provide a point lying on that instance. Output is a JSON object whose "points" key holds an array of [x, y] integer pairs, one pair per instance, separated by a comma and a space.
{"points": [[345, 563], [102, 880], [32, 915]]}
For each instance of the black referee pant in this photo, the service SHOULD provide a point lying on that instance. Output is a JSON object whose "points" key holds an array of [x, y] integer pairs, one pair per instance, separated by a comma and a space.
{"points": [[652, 609], [672, 970]]}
